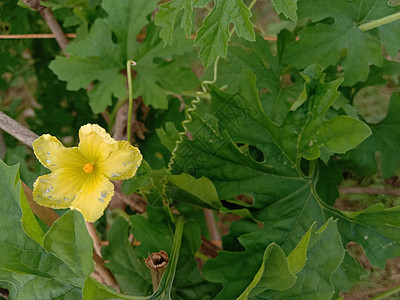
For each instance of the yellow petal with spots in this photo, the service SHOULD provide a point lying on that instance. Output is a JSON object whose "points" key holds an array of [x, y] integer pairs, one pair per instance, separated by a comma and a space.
{"points": [[121, 164], [53, 155], [94, 197], [58, 189], [95, 143]]}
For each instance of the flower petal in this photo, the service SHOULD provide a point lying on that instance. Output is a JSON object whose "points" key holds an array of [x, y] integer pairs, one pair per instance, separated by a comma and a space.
{"points": [[121, 164], [53, 155], [95, 143], [58, 189], [93, 197]]}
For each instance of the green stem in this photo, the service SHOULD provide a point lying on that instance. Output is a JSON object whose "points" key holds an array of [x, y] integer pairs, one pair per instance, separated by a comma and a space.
{"points": [[311, 169], [128, 127], [203, 83], [252, 4], [388, 293], [202, 256], [380, 22]]}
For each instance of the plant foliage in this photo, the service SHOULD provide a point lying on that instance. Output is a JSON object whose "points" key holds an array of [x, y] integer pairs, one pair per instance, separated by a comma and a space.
{"points": [[257, 132]]}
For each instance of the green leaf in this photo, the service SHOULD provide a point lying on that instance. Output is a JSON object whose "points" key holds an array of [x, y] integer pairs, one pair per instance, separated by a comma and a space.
{"points": [[242, 116], [298, 257], [325, 254], [285, 199], [385, 224], [60, 267], [22, 286], [69, 240], [155, 232], [80, 72], [155, 153], [385, 140], [95, 58], [168, 136], [82, 11], [29, 222], [154, 78], [127, 267], [187, 271], [150, 183], [227, 267], [21, 155], [338, 134], [127, 19], [276, 93], [165, 287], [213, 36], [286, 7], [166, 18], [343, 133], [94, 290], [379, 75], [349, 273], [329, 177], [389, 33], [273, 274], [200, 192], [143, 174], [20, 252], [334, 34]]}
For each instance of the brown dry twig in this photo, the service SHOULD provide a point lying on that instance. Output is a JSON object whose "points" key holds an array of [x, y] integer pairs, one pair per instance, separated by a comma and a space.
{"points": [[138, 127], [369, 190], [208, 248], [135, 202], [212, 228], [51, 21], [18, 131], [96, 240]]}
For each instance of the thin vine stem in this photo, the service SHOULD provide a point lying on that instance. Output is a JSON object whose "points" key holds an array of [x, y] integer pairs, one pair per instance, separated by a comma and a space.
{"points": [[380, 22], [130, 63]]}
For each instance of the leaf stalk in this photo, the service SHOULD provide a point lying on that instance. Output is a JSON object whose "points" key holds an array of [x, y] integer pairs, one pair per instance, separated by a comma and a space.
{"points": [[128, 127], [380, 22], [388, 293]]}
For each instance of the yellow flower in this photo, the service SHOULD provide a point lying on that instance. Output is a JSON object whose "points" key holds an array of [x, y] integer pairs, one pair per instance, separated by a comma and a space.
{"points": [[80, 176]]}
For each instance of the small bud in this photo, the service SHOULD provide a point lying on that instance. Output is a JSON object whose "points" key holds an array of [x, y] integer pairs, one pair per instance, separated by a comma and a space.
{"points": [[157, 262]]}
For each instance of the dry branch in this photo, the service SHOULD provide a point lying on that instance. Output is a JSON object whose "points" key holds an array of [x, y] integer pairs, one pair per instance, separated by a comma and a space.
{"points": [[368, 190], [51, 21], [135, 202], [18, 131], [212, 228]]}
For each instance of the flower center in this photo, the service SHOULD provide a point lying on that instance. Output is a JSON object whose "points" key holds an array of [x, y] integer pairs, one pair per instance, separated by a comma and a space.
{"points": [[88, 168]]}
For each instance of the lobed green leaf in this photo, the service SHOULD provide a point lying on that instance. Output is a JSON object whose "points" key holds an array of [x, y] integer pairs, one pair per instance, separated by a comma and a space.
{"points": [[335, 37], [287, 7], [167, 14], [214, 35]]}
